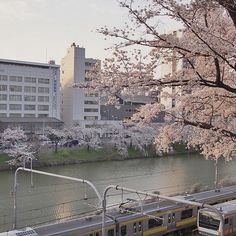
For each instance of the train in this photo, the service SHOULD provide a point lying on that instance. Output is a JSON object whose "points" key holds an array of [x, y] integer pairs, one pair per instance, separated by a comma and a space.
{"points": [[210, 223], [156, 218]]}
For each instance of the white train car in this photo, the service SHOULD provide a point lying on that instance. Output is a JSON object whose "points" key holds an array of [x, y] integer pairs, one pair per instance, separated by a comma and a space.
{"points": [[210, 223], [20, 232]]}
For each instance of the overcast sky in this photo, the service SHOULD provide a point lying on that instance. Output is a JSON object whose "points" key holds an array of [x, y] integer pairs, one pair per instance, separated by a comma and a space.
{"points": [[40, 30]]}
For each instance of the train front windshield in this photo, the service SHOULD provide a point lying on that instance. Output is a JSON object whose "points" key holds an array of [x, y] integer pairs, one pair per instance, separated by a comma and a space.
{"points": [[208, 220]]}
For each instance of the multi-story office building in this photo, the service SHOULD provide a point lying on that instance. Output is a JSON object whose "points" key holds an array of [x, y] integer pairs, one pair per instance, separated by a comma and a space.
{"points": [[126, 107], [29, 90], [170, 67], [78, 107]]}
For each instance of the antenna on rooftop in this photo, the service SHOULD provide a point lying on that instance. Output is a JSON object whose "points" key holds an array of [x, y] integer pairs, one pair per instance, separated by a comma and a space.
{"points": [[46, 54]]}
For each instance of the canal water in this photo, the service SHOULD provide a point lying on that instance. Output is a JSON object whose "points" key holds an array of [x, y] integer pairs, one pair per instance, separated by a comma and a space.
{"points": [[52, 199]]}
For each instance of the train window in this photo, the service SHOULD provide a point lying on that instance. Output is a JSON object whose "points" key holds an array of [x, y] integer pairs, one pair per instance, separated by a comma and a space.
{"points": [[226, 221], [97, 234], [123, 230], [169, 218], [173, 217], [134, 228], [139, 226], [152, 223], [186, 214], [110, 232]]}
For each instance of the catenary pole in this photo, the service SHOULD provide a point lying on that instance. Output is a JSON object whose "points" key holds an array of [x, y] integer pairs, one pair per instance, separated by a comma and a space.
{"points": [[47, 174]]}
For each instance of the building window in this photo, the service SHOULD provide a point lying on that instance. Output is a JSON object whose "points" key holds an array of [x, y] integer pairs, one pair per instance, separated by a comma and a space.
{"points": [[3, 106], [15, 88], [15, 97], [91, 94], [30, 80], [127, 103], [3, 97], [3, 114], [43, 81], [29, 107], [43, 90], [29, 115], [173, 103], [43, 108], [91, 102], [90, 110], [89, 64], [90, 117], [14, 115], [43, 99], [3, 77], [152, 223], [29, 89], [28, 98], [3, 87], [15, 107], [15, 78], [43, 115]]}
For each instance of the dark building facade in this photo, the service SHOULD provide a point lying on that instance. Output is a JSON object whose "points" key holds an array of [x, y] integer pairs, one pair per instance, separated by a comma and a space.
{"points": [[30, 125], [126, 107]]}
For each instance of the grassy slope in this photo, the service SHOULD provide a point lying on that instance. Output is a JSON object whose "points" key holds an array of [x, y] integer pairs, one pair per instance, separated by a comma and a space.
{"points": [[83, 155], [71, 155], [3, 158]]}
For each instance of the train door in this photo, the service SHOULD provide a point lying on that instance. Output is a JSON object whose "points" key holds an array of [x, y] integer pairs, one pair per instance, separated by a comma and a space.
{"points": [[171, 221], [231, 228], [137, 228]]}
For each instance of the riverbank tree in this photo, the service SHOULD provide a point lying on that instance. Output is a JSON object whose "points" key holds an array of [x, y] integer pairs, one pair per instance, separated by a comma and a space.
{"points": [[14, 143], [87, 137], [202, 79], [124, 137], [55, 136]]}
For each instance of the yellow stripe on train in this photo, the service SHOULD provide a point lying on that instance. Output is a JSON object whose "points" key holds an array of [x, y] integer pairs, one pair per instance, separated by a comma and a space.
{"points": [[186, 222], [155, 230]]}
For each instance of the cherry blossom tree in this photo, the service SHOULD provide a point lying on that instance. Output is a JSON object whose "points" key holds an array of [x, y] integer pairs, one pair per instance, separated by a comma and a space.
{"points": [[202, 78], [124, 136], [54, 136], [15, 145], [12, 137], [202, 59], [20, 154], [88, 137]]}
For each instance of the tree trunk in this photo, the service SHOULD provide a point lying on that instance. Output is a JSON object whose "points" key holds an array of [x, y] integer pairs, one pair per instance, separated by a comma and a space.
{"points": [[56, 147], [216, 174]]}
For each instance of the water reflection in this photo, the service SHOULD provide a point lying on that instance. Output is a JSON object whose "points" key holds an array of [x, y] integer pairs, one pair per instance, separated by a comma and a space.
{"points": [[52, 198]]}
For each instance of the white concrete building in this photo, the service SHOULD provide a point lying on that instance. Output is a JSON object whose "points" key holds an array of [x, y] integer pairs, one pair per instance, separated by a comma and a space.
{"points": [[29, 89], [170, 67], [78, 107]]}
